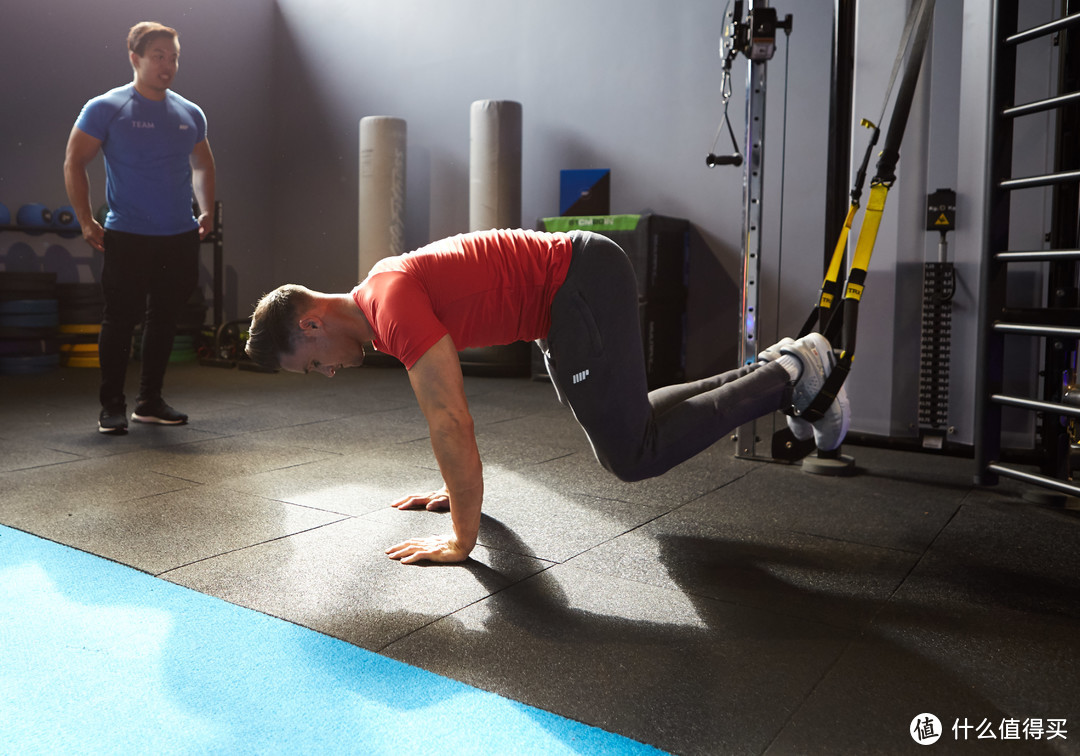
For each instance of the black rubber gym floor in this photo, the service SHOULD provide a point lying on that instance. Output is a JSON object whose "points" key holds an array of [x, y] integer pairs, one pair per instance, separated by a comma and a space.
{"points": [[731, 606]]}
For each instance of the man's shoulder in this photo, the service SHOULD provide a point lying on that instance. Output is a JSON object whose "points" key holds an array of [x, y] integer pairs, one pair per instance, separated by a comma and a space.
{"points": [[180, 101], [384, 279], [99, 112], [114, 99]]}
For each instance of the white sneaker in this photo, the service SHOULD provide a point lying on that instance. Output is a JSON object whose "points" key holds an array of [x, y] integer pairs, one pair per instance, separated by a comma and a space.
{"points": [[817, 358], [830, 430], [775, 350], [800, 429]]}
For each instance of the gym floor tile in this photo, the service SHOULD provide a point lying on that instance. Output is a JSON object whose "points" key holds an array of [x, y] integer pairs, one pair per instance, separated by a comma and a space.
{"points": [[684, 673], [21, 456], [159, 533], [806, 576], [353, 485], [885, 509], [729, 606], [373, 431], [580, 474], [522, 518], [82, 438], [41, 495], [338, 580], [982, 631], [211, 461]]}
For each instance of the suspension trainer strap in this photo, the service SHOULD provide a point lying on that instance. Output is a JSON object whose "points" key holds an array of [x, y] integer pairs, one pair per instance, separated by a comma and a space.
{"points": [[831, 286], [845, 318], [853, 292]]}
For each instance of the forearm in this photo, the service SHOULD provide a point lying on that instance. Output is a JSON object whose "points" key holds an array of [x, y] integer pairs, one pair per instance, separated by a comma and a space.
{"points": [[77, 184], [462, 472], [203, 185], [436, 379]]}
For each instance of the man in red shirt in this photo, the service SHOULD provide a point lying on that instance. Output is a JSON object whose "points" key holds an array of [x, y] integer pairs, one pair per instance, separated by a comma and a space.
{"points": [[576, 295]]}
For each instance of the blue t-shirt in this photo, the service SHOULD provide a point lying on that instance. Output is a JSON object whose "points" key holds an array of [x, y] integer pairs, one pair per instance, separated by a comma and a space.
{"points": [[147, 146]]}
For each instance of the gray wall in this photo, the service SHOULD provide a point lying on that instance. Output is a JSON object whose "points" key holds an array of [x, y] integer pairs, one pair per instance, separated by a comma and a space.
{"points": [[55, 55], [633, 86], [630, 86]]}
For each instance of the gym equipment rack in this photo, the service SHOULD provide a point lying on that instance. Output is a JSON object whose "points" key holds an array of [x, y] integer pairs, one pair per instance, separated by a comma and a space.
{"points": [[1056, 324], [216, 237]]}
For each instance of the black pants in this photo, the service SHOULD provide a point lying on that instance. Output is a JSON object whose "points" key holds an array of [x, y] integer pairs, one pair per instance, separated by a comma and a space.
{"points": [[145, 279], [595, 358]]}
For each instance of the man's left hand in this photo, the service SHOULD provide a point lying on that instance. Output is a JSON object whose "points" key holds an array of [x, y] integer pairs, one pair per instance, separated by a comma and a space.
{"points": [[206, 224], [436, 501]]}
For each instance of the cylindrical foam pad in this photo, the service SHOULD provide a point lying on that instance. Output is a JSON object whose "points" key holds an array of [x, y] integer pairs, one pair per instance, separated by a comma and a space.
{"points": [[495, 165], [382, 190]]}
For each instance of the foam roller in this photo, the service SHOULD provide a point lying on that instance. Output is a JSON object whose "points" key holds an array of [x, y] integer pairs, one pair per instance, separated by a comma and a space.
{"points": [[382, 190], [495, 165]]}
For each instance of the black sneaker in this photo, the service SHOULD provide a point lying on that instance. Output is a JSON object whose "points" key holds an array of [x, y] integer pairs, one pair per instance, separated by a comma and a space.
{"points": [[158, 412], [113, 419]]}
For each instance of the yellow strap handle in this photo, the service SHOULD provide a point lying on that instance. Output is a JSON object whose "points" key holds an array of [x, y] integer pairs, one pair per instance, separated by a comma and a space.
{"points": [[867, 237], [837, 257]]}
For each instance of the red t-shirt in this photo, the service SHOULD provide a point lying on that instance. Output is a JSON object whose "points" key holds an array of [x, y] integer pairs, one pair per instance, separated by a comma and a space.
{"points": [[485, 288]]}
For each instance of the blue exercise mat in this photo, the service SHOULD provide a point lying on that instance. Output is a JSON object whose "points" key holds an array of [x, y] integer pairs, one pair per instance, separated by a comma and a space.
{"points": [[99, 658]]}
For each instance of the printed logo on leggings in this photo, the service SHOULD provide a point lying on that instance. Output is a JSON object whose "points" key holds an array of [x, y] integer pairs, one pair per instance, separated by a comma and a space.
{"points": [[579, 377]]}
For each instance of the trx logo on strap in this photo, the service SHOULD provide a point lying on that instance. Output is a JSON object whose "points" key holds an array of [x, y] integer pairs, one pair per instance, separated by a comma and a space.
{"points": [[854, 291], [579, 377]]}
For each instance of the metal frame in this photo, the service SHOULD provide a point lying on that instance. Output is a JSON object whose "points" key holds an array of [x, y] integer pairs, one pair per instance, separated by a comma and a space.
{"points": [[1056, 322], [746, 436]]}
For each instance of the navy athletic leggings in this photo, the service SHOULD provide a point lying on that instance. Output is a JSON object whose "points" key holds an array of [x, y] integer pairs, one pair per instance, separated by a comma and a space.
{"points": [[595, 358], [145, 279]]}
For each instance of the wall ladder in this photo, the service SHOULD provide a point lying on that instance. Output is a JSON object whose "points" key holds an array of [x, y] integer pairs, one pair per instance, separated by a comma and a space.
{"points": [[1056, 324]]}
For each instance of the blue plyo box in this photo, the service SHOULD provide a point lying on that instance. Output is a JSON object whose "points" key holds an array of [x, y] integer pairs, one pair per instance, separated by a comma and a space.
{"points": [[585, 192]]}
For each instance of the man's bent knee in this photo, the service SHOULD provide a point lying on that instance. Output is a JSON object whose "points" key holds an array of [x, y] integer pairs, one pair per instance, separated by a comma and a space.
{"points": [[628, 471]]}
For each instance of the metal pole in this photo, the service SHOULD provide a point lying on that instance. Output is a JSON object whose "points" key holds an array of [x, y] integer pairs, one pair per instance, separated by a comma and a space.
{"points": [[219, 266], [747, 436]]}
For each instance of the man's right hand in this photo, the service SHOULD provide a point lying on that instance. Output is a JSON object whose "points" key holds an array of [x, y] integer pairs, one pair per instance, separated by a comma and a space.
{"points": [[431, 549], [94, 234]]}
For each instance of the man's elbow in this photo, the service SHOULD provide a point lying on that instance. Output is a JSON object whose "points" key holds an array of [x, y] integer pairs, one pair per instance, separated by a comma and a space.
{"points": [[455, 427]]}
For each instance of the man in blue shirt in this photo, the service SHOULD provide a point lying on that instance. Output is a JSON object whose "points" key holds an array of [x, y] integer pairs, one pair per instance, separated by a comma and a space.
{"points": [[157, 158]]}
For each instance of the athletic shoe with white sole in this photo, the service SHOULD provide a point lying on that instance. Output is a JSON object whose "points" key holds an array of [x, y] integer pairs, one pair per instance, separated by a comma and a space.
{"points": [[157, 412], [113, 419], [818, 360], [801, 429]]}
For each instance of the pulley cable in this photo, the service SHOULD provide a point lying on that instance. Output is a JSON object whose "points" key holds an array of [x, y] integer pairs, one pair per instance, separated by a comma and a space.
{"points": [[727, 53], [783, 164]]}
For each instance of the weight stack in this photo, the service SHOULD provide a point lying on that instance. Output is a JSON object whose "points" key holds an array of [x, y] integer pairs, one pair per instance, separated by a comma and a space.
{"points": [[939, 285], [658, 247], [29, 322]]}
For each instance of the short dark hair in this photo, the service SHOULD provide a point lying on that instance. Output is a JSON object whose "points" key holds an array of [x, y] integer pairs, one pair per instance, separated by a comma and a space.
{"points": [[274, 325], [145, 32]]}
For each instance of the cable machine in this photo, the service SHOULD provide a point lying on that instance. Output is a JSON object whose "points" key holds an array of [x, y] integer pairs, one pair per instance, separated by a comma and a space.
{"points": [[835, 313], [755, 38]]}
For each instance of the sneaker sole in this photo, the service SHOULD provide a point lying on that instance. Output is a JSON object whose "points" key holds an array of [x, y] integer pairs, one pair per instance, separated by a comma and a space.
{"points": [[830, 430], [150, 420], [112, 431]]}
